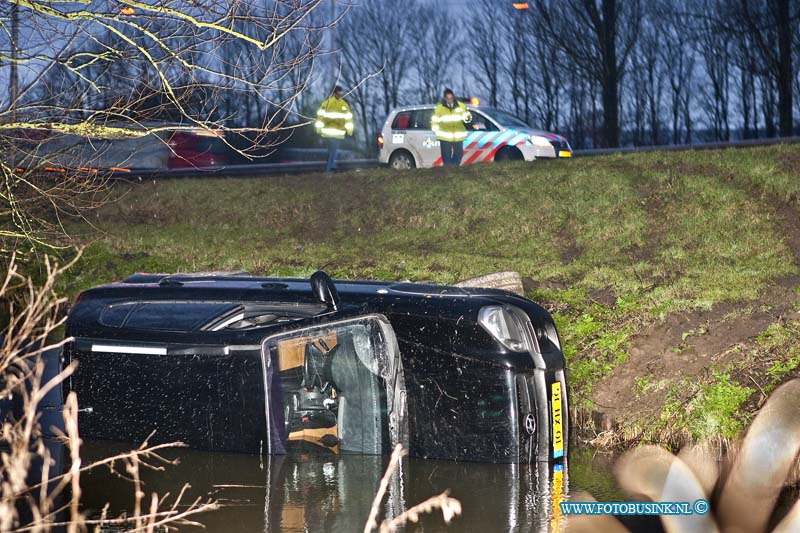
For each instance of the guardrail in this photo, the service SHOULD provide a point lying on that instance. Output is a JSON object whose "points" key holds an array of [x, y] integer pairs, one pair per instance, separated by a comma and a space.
{"points": [[256, 170], [716, 145], [260, 170]]}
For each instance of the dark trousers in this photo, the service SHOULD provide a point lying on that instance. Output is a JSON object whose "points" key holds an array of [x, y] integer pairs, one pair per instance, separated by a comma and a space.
{"points": [[333, 147], [451, 152]]}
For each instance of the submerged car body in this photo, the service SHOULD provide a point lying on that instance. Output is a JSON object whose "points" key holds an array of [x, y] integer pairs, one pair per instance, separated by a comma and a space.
{"points": [[265, 365], [407, 140]]}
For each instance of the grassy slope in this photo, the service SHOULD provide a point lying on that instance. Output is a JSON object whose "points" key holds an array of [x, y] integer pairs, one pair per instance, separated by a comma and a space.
{"points": [[617, 247]]}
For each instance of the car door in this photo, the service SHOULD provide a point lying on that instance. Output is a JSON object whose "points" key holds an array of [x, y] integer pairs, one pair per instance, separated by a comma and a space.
{"points": [[337, 386], [478, 144], [333, 381], [423, 137], [411, 130], [399, 138]]}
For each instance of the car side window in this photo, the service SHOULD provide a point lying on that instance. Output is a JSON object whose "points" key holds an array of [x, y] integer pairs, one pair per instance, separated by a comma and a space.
{"points": [[419, 119], [481, 123], [422, 119], [402, 121]]}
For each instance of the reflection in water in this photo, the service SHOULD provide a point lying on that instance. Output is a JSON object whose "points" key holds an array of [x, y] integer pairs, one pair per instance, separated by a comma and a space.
{"points": [[306, 491]]}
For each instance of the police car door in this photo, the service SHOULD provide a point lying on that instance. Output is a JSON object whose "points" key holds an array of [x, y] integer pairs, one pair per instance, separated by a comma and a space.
{"points": [[423, 139], [426, 141], [481, 133]]}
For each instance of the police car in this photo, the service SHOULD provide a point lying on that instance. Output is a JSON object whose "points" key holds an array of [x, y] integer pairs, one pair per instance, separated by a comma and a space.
{"points": [[407, 140]]}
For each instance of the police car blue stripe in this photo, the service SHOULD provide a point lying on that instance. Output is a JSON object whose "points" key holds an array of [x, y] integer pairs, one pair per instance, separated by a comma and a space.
{"points": [[472, 137], [519, 138], [506, 135], [487, 138]]}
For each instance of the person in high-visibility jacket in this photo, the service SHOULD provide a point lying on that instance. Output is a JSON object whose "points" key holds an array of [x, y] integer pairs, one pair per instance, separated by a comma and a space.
{"points": [[334, 121], [448, 122]]}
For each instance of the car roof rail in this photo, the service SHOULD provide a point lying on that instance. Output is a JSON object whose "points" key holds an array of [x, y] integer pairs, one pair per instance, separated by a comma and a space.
{"points": [[221, 275], [169, 281]]}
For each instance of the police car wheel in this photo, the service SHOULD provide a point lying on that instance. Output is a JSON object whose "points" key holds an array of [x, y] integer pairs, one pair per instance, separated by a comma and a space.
{"points": [[509, 153], [401, 160]]}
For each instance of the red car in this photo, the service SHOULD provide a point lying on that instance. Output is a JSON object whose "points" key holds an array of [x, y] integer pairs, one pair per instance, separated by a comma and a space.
{"points": [[197, 149]]}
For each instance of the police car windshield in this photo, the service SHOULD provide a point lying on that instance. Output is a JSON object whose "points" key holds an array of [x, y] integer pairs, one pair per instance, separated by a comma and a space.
{"points": [[503, 118]]}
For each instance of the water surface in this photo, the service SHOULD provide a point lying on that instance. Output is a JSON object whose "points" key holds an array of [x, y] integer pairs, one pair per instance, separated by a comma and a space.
{"points": [[313, 492]]}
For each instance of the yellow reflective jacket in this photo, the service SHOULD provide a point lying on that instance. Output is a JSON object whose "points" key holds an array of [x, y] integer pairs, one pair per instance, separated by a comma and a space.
{"points": [[334, 119], [448, 124]]}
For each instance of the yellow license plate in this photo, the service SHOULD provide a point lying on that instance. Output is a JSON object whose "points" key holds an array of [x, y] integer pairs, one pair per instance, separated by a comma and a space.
{"points": [[558, 435], [557, 491], [564, 153]]}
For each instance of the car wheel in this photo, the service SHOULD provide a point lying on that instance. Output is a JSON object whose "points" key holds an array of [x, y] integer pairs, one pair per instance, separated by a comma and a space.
{"points": [[401, 160], [509, 153]]}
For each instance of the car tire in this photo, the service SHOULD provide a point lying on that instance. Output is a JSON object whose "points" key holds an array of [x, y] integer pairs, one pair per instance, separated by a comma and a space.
{"points": [[509, 153], [402, 160]]}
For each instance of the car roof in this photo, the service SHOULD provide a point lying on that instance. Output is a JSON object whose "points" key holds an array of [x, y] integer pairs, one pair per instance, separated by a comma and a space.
{"points": [[246, 288], [244, 281], [488, 111], [434, 302], [429, 106]]}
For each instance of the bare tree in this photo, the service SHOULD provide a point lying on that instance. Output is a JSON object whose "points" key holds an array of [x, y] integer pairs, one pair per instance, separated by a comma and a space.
{"points": [[436, 50], [377, 62], [772, 25], [529, 89], [131, 69], [547, 86], [769, 104], [767, 28], [678, 57], [715, 48], [601, 35], [646, 81], [489, 52]]}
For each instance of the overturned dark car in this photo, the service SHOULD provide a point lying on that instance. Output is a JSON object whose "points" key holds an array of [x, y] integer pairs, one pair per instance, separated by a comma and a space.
{"points": [[239, 363]]}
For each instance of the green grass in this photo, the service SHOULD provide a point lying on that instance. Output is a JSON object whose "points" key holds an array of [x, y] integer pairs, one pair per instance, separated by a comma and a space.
{"points": [[595, 337], [706, 410], [588, 222], [779, 347], [609, 244]]}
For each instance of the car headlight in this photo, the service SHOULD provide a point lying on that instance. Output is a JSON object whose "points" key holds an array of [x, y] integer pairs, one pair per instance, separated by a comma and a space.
{"points": [[540, 141], [509, 326]]}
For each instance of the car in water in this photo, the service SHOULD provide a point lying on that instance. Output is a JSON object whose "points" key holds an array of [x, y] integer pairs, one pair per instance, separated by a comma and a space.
{"points": [[407, 140], [240, 363]]}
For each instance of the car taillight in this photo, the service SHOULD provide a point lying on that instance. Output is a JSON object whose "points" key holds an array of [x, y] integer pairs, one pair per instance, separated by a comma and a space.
{"points": [[380, 140]]}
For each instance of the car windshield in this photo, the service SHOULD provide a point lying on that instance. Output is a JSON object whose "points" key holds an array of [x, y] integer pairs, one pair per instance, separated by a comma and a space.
{"points": [[504, 118], [203, 316], [163, 316]]}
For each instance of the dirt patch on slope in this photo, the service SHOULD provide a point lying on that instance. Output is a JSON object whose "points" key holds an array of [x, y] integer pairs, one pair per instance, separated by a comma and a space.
{"points": [[569, 249], [790, 162], [789, 216], [688, 345], [345, 208], [685, 345]]}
